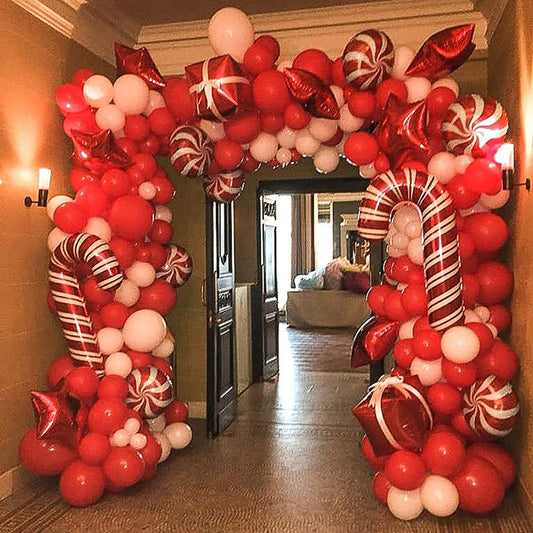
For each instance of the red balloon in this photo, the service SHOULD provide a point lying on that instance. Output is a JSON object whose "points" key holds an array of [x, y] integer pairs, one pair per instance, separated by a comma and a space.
{"points": [[146, 163], [79, 177], [228, 154], [115, 182], [81, 484], [495, 282], [426, 345], [114, 315], [81, 76], [113, 387], [500, 317], [296, 117], [414, 300], [444, 453], [500, 458], [161, 232], [83, 121], [178, 99], [136, 127], [139, 359], [131, 217], [382, 163], [381, 486], [124, 467], [107, 415], [97, 321], [404, 270], [378, 463], [439, 100], [499, 361], [162, 121], [376, 298], [163, 365], [470, 288], [337, 73], [92, 199], [270, 91], [488, 231], [69, 98], [249, 164], [403, 353], [128, 146], [82, 383], [45, 457], [444, 399], [459, 375], [160, 296], [484, 334], [124, 251], [59, 369], [258, 59], [362, 104], [94, 294], [484, 176], [70, 217], [243, 128], [151, 453], [151, 145], [270, 43], [405, 470], [177, 411], [463, 197], [316, 62], [467, 246], [481, 487], [94, 448], [164, 190], [388, 87], [272, 123], [361, 148], [394, 308]]}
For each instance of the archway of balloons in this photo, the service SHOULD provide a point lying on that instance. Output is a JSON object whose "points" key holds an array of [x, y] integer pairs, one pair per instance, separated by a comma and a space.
{"points": [[430, 154]]}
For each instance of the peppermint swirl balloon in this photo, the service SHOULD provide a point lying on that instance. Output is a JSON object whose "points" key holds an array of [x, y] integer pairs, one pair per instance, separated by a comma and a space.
{"points": [[178, 266], [149, 391], [491, 407], [224, 188], [368, 59], [191, 151], [473, 122]]}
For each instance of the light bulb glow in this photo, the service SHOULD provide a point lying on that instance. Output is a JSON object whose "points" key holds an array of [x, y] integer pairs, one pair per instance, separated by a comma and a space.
{"points": [[44, 178]]}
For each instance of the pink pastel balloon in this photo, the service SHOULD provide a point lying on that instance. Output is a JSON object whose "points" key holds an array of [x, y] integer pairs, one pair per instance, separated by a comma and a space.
{"points": [[439, 496], [347, 122], [402, 59], [368, 171], [428, 372], [128, 293], [460, 344], [230, 32], [131, 94], [415, 251], [141, 273], [442, 166], [110, 340], [144, 330], [326, 160], [55, 237], [98, 90], [287, 137], [215, 130], [404, 504], [462, 162], [98, 226], [110, 117], [284, 156], [118, 364], [54, 203], [264, 147], [417, 89], [162, 212], [448, 83], [179, 434], [495, 201], [155, 101], [322, 129], [306, 144]]}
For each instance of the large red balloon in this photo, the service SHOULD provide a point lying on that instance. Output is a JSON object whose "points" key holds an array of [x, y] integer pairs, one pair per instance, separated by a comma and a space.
{"points": [[92, 199], [159, 296], [488, 231], [114, 315], [178, 99], [381, 486], [69, 98], [499, 361], [107, 415], [124, 251], [176, 411], [444, 452], [115, 182], [82, 484], [124, 466], [361, 148], [94, 448], [258, 59], [243, 128], [113, 387], [82, 383], [498, 456], [316, 62], [270, 91], [405, 470], [70, 217], [444, 399], [377, 462], [484, 176], [495, 282], [131, 217], [59, 369]]}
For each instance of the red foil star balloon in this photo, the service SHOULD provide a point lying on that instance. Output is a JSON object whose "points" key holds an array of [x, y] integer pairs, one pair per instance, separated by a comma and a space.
{"points": [[443, 52], [138, 62], [373, 340], [403, 128], [312, 93]]}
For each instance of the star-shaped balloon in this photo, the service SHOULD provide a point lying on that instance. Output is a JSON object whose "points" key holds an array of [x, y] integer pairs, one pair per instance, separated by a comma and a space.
{"points": [[443, 52], [403, 128], [140, 63], [312, 93], [98, 152], [373, 340]]}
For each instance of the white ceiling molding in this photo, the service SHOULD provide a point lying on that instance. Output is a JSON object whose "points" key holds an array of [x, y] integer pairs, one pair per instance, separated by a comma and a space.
{"points": [[96, 29], [493, 11]]}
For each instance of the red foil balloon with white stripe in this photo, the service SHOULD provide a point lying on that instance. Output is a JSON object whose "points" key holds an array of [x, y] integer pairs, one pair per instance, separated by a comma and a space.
{"points": [[440, 243], [178, 266], [224, 188], [368, 59], [472, 122], [149, 391], [191, 151], [75, 320]]}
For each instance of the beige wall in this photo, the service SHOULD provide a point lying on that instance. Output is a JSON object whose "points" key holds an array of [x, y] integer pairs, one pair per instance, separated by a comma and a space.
{"points": [[510, 80]]}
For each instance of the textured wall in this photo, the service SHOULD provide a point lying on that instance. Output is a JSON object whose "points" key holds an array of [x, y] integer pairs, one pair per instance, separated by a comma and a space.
{"points": [[35, 60], [510, 80]]}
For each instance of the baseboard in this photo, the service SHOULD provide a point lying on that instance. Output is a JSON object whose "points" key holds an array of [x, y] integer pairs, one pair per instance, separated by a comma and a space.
{"points": [[197, 410], [525, 500], [15, 479]]}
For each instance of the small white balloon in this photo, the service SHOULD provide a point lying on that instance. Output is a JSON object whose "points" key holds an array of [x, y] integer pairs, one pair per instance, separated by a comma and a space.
{"points": [[326, 160], [179, 434], [166, 447], [471, 316], [347, 122], [55, 237], [157, 424], [165, 349], [402, 59], [100, 227], [395, 252], [147, 190], [132, 426], [120, 438], [428, 372], [138, 441], [495, 201], [417, 89], [400, 240], [493, 329], [128, 293], [338, 93], [415, 251], [118, 364], [439, 496], [462, 162], [98, 90], [322, 129], [368, 171], [264, 147], [406, 328], [110, 340], [141, 273], [110, 117], [54, 203], [404, 504], [131, 94], [144, 330], [162, 212], [483, 313], [449, 83], [413, 229], [215, 130], [283, 156], [460, 344], [405, 214], [155, 101], [287, 137], [442, 166], [306, 144]]}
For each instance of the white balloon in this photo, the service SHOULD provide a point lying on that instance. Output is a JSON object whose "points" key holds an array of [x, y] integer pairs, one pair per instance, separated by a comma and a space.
{"points": [[157, 424], [460, 344], [141, 273], [326, 160], [405, 214], [264, 147], [413, 229], [399, 240], [100, 227], [162, 212], [404, 504], [415, 251], [483, 313], [97, 90], [322, 129], [110, 340], [132, 426], [462, 162], [306, 144], [477, 208], [166, 448], [449, 83], [118, 364], [428, 372], [338, 93], [493, 329], [347, 122], [442, 166], [406, 328], [283, 156], [128, 293], [144, 330], [215, 130], [471, 316], [120, 438], [54, 203], [179, 434], [417, 89], [131, 94], [138, 441], [395, 252], [439, 496], [230, 32], [368, 171], [402, 59], [155, 101], [147, 190], [165, 349], [110, 117], [55, 237], [287, 137], [494, 201]]}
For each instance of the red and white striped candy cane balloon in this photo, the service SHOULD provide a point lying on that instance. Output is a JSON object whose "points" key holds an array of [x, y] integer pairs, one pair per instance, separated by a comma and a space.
{"points": [[440, 242], [70, 303]]}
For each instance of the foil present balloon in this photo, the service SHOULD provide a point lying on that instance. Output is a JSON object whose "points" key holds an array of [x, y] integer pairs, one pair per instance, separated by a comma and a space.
{"points": [[443, 52], [140, 63], [373, 340], [394, 415]]}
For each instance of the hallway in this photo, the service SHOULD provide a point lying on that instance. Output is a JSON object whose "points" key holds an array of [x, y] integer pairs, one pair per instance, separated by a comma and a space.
{"points": [[289, 463]]}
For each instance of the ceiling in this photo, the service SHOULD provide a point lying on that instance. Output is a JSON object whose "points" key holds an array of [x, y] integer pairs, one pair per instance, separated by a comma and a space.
{"points": [[147, 12]]}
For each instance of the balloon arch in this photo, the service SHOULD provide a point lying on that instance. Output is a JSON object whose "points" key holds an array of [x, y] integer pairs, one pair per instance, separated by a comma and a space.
{"points": [[432, 159]]}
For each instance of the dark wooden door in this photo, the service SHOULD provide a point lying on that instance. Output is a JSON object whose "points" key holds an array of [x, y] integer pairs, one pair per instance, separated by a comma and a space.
{"points": [[269, 288], [221, 386]]}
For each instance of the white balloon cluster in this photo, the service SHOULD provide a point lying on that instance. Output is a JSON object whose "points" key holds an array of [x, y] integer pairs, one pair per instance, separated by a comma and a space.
{"points": [[129, 435], [405, 235]]}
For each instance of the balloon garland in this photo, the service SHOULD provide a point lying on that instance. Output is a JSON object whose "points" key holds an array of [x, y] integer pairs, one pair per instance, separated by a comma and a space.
{"points": [[109, 416]]}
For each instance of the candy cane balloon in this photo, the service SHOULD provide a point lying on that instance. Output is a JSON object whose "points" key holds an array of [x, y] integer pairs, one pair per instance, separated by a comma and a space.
{"points": [[440, 242], [70, 303]]}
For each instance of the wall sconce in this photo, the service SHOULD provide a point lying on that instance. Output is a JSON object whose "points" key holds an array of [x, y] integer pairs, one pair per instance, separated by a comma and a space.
{"points": [[44, 186], [505, 157]]}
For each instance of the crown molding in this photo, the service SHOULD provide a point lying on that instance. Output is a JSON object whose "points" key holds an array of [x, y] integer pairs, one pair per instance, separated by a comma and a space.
{"points": [[493, 11], [96, 28], [173, 46]]}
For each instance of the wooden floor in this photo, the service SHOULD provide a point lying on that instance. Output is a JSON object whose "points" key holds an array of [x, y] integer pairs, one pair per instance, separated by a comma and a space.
{"points": [[289, 463]]}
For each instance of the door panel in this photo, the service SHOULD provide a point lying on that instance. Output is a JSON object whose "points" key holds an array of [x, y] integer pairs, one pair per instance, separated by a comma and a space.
{"points": [[221, 389]]}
